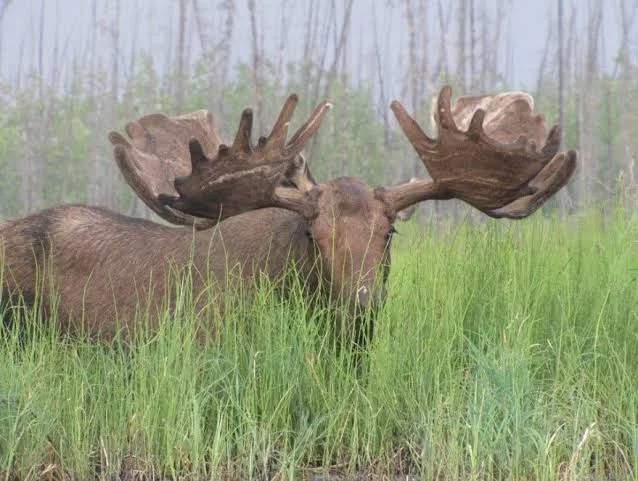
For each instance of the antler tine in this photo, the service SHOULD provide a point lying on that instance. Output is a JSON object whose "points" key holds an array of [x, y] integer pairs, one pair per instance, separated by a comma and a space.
{"points": [[419, 139], [196, 152], [287, 110], [244, 133], [552, 144], [276, 142], [475, 129], [548, 181], [445, 120], [296, 143]]}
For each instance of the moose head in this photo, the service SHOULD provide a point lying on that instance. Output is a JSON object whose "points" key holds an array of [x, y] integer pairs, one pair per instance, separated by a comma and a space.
{"points": [[498, 164]]}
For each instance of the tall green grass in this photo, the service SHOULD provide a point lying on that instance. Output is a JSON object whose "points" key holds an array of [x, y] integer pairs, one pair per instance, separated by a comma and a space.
{"points": [[505, 351]]}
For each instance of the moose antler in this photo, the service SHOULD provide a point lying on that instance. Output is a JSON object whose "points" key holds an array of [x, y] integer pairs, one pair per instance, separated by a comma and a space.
{"points": [[158, 153], [493, 165], [180, 169]]}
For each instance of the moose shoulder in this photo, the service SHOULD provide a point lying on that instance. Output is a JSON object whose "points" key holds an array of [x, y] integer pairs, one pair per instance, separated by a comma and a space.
{"points": [[257, 209]]}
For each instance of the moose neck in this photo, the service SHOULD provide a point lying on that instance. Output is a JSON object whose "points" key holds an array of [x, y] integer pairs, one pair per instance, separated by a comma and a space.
{"points": [[266, 240]]}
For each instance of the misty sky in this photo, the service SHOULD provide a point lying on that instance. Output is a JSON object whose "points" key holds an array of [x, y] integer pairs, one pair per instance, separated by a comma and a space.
{"points": [[151, 24]]}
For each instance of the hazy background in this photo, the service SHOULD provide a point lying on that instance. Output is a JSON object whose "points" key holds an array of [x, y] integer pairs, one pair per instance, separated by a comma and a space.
{"points": [[151, 26], [71, 71]]}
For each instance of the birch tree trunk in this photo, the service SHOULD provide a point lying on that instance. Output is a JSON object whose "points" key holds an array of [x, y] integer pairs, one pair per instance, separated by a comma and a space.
{"points": [[460, 69], [181, 58]]}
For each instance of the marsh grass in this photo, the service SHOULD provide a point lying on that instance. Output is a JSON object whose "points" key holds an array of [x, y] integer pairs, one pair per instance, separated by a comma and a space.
{"points": [[505, 351]]}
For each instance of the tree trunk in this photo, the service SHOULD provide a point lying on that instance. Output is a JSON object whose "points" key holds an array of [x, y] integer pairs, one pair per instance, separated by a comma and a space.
{"points": [[588, 110], [257, 59], [3, 10], [380, 78], [542, 68], [561, 69], [181, 58], [200, 26], [339, 47], [460, 69], [472, 49], [111, 176], [94, 157], [627, 17]]}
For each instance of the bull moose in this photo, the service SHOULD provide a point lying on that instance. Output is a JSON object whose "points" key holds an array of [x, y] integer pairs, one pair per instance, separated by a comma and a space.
{"points": [[256, 207]]}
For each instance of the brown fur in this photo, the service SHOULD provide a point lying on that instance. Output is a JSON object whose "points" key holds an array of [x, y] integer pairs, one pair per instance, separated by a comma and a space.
{"points": [[106, 266]]}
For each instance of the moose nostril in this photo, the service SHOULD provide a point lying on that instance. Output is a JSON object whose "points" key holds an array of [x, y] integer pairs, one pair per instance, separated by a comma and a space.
{"points": [[363, 297]]}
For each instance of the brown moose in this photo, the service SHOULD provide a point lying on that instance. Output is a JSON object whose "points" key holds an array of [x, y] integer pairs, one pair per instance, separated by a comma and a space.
{"points": [[256, 209]]}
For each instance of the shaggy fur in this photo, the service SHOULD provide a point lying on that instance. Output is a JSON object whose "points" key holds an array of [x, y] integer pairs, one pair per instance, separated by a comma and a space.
{"points": [[105, 267]]}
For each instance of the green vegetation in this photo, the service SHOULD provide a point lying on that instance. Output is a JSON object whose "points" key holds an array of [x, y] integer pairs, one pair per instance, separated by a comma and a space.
{"points": [[506, 350], [54, 149]]}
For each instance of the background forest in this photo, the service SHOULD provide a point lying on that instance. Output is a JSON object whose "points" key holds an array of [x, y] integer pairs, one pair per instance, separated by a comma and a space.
{"points": [[505, 352], [61, 97]]}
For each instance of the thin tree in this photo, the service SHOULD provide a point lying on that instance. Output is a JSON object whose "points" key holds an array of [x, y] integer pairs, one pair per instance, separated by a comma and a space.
{"points": [[588, 103], [329, 24], [444, 23], [423, 42], [627, 18], [380, 79], [412, 55], [134, 48], [41, 50], [94, 158], [34, 133], [472, 46], [462, 21], [412, 68], [503, 9], [284, 26], [181, 57], [561, 67], [340, 47], [3, 10], [201, 32], [546, 58], [257, 53], [111, 179], [218, 76]]}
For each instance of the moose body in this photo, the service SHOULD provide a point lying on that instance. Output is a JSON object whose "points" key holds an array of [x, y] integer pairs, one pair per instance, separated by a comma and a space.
{"points": [[255, 210], [106, 267], [95, 266]]}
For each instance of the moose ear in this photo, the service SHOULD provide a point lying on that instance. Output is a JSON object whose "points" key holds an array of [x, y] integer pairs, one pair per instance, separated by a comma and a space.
{"points": [[407, 213]]}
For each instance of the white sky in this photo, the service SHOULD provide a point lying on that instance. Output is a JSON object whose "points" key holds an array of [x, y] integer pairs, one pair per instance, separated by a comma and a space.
{"points": [[156, 23]]}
